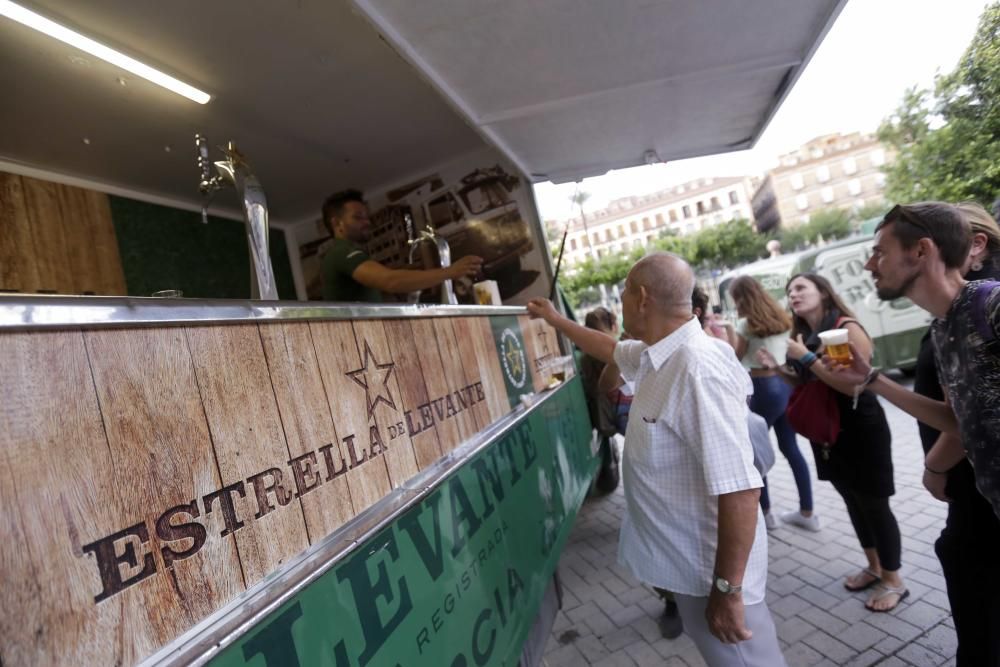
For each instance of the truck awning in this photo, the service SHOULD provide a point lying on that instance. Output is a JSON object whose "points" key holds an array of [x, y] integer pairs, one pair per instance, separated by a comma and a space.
{"points": [[571, 88]]}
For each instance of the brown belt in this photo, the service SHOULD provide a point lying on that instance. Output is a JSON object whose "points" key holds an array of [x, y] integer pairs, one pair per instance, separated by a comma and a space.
{"points": [[762, 372]]}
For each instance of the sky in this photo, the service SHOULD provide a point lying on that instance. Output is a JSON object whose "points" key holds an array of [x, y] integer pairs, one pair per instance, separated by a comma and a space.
{"points": [[875, 50]]}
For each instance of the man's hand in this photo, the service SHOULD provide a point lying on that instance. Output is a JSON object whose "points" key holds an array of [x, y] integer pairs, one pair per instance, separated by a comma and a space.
{"points": [[727, 618], [466, 267], [856, 373], [935, 483], [541, 308]]}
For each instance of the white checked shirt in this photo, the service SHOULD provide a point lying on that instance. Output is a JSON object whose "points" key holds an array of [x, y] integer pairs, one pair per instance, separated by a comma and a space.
{"points": [[686, 444]]}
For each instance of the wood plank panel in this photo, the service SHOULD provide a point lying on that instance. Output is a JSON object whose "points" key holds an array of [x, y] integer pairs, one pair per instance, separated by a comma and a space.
{"points": [[413, 390], [18, 270], [387, 416], [489, 367], [58, 490], [48, 240], [450, 432], [105, 257], [308, 426], [453, 372], [248, 441], [338, 355], [468, 354], [159, 440], [77, 228], [540, 345]]}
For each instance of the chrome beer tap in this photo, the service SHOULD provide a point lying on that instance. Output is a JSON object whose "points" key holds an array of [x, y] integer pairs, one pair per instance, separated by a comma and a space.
{"points": [[444, 254], [235, 171]]}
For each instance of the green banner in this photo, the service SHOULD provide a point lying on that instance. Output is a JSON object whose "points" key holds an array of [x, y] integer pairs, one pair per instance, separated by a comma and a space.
{"points": [[513, 357], [457, 580]]}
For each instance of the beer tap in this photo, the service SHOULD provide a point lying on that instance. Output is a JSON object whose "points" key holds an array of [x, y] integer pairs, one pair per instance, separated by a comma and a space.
{"points": [[444, 255], [235, 171]]}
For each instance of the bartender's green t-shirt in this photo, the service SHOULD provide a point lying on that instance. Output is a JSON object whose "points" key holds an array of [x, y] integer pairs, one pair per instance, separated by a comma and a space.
{"points": [[339, 263]]}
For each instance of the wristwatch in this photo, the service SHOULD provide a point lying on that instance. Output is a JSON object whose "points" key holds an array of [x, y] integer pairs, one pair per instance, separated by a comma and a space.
{"points": [[725, 587]]}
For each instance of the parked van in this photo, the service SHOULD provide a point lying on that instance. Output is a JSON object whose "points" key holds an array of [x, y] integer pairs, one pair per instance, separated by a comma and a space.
{"points": [[896, 326]]}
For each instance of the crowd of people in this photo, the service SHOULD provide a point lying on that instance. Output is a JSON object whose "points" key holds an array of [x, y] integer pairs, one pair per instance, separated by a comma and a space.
{"points": [[697, 508]]}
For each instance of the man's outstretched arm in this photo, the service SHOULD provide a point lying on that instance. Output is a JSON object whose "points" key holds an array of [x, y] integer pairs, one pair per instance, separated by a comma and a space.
{"points": [[400, 281], [936, 414], [595, 343]]}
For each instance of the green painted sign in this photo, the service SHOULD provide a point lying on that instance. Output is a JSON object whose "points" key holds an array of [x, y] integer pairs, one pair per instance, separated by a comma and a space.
{"points": [[456, 580], [513, 357]]}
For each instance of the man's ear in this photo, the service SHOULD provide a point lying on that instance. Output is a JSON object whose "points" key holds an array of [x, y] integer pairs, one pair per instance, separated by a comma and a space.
{"points": [[926, 248], [643, 296], [979, 242]]}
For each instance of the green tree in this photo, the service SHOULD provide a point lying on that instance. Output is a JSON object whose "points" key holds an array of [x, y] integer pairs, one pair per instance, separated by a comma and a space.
{"points": [[869, 211], [947, 140], [830, 223], [728, 244]]}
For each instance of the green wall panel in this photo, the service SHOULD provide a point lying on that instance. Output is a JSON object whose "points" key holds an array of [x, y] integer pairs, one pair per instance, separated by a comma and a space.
{"points": [[168, 248]]}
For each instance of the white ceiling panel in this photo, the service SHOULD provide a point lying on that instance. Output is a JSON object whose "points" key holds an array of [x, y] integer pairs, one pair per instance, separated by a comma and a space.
{"points": [[323, 94]]}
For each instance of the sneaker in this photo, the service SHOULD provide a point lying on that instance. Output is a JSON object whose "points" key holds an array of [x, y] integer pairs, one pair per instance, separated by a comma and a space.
{"points": [[810, 523], [671, 625], [770, 521]]}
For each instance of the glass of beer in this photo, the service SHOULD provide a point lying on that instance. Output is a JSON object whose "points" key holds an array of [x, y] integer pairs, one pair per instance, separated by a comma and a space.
{"points": [[835, 342]]}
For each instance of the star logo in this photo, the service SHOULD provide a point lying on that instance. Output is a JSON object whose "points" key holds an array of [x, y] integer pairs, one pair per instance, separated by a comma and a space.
{"points": [[512, 358], [374, 377]]}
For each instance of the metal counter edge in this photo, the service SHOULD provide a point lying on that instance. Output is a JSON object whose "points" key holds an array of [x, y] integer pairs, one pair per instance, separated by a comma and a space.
{"points": [[42, 312]]}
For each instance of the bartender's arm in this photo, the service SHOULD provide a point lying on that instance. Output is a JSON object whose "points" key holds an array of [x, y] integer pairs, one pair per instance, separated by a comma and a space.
{"points": [[597, 344], [400, 281]]}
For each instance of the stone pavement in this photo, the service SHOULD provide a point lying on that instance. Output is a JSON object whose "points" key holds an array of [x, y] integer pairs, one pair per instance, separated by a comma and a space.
{"points": [[609, 619]]}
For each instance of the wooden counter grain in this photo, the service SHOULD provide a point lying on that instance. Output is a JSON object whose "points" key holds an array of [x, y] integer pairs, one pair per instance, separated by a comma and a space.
{"points": [[150, 475]]}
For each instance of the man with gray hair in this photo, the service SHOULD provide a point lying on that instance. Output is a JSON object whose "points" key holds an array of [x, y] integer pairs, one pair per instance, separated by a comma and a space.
{"points": [[692, 524]]}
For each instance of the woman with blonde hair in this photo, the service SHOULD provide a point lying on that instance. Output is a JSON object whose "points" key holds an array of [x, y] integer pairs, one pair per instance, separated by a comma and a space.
{"points": [[969, 545], [764, 324]]}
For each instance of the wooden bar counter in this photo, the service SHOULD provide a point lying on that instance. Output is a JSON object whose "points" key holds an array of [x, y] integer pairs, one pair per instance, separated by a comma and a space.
{"points": [[159, 458]]}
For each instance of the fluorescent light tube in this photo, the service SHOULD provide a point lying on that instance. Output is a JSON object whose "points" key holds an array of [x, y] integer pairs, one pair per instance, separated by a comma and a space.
{"points": [[116, 58]]}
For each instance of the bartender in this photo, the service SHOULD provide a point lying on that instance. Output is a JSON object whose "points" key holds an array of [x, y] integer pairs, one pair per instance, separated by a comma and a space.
{"points": [[349, 274]]}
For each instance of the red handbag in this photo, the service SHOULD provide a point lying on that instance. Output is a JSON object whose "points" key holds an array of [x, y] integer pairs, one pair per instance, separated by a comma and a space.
{"points": [[812, 408], [813, 412]]}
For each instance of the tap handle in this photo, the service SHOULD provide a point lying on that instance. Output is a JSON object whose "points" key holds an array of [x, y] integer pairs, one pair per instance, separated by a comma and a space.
{"points": [[203, 163]]}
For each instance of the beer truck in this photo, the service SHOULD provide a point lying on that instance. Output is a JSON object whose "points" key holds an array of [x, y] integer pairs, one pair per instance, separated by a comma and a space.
{"points": [[198, 465]]}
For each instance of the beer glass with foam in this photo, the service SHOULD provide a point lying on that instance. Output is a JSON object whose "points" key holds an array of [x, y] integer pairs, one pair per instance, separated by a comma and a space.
{"points": [[835, 341]]}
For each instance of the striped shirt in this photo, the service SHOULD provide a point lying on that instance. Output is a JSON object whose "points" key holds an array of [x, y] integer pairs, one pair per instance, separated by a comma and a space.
{"points": [[686, 444]]}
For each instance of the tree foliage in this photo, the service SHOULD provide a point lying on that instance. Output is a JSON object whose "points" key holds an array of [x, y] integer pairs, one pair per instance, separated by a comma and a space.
{"points": [[947, 139], [722, 246], [827, 224]]}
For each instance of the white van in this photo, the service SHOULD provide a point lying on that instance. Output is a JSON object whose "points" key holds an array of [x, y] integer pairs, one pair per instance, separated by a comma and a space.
{"points": [[896, 326]]}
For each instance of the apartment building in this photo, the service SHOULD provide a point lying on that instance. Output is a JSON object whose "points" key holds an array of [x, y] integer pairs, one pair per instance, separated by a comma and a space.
{"points": [[634, 222], [832, 171]]}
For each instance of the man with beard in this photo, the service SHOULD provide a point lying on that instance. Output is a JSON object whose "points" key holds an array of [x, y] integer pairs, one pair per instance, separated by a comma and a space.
{"points": [[920, 252], [349, 274], [926, 252]]}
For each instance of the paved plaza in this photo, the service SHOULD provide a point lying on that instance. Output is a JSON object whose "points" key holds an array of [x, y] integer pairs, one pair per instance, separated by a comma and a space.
{"points": [[610, 619]]}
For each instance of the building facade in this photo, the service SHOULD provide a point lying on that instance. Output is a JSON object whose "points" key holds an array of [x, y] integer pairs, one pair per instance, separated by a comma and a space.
{"points": [[634, 222], [832, 171]]}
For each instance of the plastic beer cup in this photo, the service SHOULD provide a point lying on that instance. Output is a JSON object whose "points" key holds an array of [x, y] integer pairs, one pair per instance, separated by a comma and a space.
{"points": [[835, 342]]}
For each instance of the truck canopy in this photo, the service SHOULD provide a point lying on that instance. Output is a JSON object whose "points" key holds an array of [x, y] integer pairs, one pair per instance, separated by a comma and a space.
{"points": [[322, 95]]}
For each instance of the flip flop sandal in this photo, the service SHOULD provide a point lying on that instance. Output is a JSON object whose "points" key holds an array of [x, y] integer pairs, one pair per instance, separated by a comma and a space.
{"points": [[876, 579], [885, 591]]}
